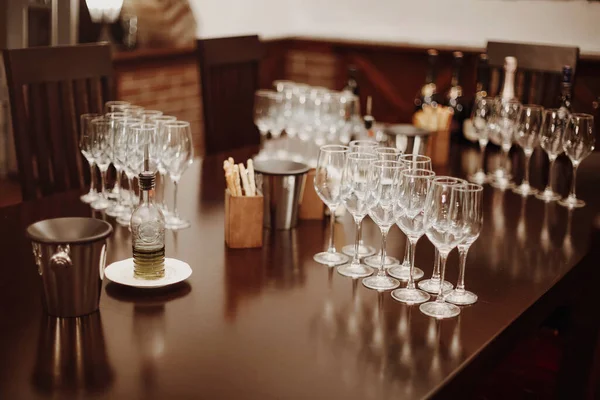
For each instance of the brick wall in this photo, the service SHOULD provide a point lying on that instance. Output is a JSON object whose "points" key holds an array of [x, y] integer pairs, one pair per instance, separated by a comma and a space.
{"points": [[166, 83]]}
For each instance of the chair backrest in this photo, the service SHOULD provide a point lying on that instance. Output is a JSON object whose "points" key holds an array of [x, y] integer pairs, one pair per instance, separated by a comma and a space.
{"points": [[539, 69], [49, 88], [229, 77]]}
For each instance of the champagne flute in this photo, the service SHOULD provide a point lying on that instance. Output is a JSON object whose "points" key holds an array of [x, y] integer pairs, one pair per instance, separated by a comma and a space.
{"points": [[444, 226], [402, 271], [578, 143], [361, 146], [123, 140], [328, 185], [355, 190], [160, 122], [384, 179], [115, 106], [482, 113], [505, 120], [409, 214], [551, 138], [85, 146], [101, 149], [472, 213], [178, 155], [527, 133], [115, 192], [262, 117]]}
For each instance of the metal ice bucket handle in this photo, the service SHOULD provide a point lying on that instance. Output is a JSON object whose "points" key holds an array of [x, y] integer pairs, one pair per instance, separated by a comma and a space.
{"points": [[61, 258]]}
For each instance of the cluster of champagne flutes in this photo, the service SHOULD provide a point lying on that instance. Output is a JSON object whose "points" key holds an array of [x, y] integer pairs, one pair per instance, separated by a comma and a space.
{"points": [[527, 125], [120, 137], [397, 189], [310, 116]]}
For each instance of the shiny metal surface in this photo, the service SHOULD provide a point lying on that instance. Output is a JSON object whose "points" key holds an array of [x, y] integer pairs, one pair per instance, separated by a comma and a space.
{"points": [[282, 187], [70, 254], [406, 137], [271, 323]]}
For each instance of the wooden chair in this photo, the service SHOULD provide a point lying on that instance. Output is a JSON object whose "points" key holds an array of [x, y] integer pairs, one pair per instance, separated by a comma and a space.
{"points": [[539, 69], [229, 77], [49, 88]]}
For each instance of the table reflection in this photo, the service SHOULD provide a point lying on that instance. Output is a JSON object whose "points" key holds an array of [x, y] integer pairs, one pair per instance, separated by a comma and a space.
{"points": [[71, 357]]}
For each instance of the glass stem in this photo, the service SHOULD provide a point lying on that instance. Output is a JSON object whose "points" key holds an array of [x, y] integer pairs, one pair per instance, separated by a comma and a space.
{"points": [[574, 181], [440, 296], [550, 175], [482, 157], [130, 184], [462, 255], [506, 161], [407, 252], [527, 162], [175, 211], [92, 177], [118, 185], [435, 276], [413, 247], [103, 181], [360, 241], [331, 247], [356, 259], [384, 233], [163, 183]]}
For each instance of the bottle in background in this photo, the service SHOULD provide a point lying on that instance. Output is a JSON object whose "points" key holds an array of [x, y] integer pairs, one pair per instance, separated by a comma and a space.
{"points": [[564, 102], [454, 97], [428, 92], [510, 70], [352, 84], [482, 88]]}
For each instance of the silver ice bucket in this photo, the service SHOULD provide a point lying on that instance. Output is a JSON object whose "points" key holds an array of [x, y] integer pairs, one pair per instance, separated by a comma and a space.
{"points": [[70, 254], [406, 137], [282, 187]]}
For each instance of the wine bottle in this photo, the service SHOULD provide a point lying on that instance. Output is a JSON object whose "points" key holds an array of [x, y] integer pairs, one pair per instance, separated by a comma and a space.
{"points": [[510, 70], [428, 92], [352, 84], [564, 102], [454, 97], [482, 87]]}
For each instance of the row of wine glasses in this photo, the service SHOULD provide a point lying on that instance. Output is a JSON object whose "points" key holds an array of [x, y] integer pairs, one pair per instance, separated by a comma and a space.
{"points": [[528, 125], [311, 116], [118, 137], [400, 189]]}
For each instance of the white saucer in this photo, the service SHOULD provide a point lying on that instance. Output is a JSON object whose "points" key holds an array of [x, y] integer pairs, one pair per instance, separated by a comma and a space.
{"points": [[122, 272]]}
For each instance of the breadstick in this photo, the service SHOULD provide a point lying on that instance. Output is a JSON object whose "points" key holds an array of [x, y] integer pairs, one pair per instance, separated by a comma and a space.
{"points": [[251, 177], [236, 180], [230, 184], [244, 176], [230, 159]]}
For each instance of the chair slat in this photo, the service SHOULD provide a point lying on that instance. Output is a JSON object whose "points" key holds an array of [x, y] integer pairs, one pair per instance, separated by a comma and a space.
{"points": [[71, 134], [38, 118], [57, 138]]}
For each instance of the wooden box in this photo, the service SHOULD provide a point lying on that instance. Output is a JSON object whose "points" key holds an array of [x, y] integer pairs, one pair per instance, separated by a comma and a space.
{"points": [[243, 221], [311, 206]]}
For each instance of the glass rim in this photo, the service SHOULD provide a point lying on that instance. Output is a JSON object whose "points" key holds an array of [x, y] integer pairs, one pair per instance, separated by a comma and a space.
{"points": [[438, 181], [113, 114], [157, 113], [363, 143], [335, 148], [165, 118], [532, 106], [581, 116], [470, 187], [143, 127], [100, 119], [410, 172], [91, 115], [383, 149], [362, 155], [423, 157], [176, 124], [133, 106], [132, 121], [384, 164], [117, 103], [265, 92]]}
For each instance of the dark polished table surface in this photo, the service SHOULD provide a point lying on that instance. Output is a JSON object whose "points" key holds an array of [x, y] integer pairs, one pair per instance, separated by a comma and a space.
{"points": [[271, 323]]}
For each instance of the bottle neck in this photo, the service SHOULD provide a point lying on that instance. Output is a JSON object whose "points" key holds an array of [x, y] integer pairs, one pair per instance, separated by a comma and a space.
{"points": [[455, 76], [147, 196], [508, 89], [565, 98]]}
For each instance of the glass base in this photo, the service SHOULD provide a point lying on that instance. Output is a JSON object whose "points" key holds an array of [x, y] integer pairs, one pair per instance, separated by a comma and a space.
{"points": [[433, 286], [478, 177], [439, 310], [410, 296], [380, 283], [113, 193], [525, 190], [331, 259], [124, 219], [115, 210], [355, 270], [548, 195], [363, 250], [101, 204], [462, 298], [403, 273], [502, 184], [89, 197], [176, 224], [165, 211], [375, 261], [571, 202]]}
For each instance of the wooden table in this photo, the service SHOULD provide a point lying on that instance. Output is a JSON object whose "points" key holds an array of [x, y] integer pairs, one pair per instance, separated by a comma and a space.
{"points": [[271, 323]]}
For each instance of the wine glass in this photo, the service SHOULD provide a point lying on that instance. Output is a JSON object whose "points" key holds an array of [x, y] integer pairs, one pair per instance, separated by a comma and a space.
{"points": [[262, 116], [527, 134], [505, 119], [551, 137], [402, 271], [361, 146], [160, 122], [328, 185], [444, 226], [115, 106], [177, 155], [85, 146], [112, 118], [148, 115], [355, 190], [101, 151], [118, 155], [137, 139], [578, 143], [384, 179], [472, 215], [384, 154], [482, 113], [125, 150], [409, 215], [133, 111]]}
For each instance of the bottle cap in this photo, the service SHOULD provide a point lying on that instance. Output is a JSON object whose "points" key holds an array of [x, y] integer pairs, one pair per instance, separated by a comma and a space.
{"points": [[567, 74], [432, 52], [147, 180], [369, 121], [483, 57], [510, 63], [457, 54]]}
